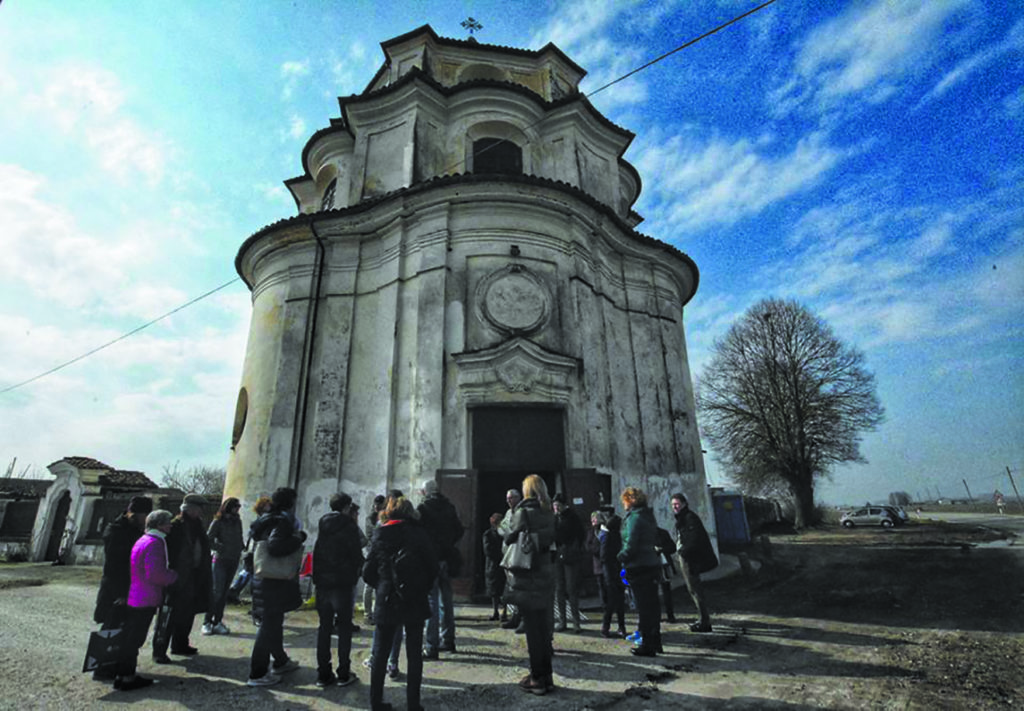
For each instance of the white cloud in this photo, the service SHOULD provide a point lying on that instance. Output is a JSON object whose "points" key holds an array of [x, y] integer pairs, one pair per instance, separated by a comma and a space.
{"points": [[89, 104], [866, 52], [349, 73], [1014, 41], [720, 182], [888, 289], [293, 72], [296, 126]]}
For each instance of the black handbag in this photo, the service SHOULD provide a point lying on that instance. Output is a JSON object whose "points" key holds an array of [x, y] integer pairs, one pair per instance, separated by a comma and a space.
{"points": [[104, 648]]}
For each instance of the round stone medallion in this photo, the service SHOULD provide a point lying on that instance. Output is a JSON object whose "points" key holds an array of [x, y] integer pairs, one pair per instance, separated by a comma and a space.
{"points": [[515, 300]]}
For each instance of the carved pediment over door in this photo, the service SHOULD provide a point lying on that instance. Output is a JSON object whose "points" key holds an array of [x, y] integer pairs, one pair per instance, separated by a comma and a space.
{"points": [[518, 369]]}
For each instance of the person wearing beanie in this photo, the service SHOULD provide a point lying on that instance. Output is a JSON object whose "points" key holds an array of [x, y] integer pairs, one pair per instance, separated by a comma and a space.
{"points": [[118, 538], [188, 549]]}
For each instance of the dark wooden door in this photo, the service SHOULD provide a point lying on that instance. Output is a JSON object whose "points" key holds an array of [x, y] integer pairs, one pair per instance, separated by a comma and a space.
{"points": [[587, 490]]}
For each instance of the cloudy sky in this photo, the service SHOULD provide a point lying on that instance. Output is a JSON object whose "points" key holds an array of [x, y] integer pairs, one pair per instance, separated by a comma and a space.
{"points": [[864, 158]]}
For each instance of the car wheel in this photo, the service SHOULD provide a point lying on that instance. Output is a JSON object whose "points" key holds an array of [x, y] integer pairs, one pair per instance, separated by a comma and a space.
{"points": [[886, 523], [847, 524]]}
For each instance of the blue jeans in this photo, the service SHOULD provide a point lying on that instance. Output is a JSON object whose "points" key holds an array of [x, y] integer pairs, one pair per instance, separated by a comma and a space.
{"points": [[384, 647], [223, 571], [440, 628], [334, 607]]}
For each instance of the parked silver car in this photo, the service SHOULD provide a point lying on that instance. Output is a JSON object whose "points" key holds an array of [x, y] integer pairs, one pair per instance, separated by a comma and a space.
{"points": [[868, 516]]}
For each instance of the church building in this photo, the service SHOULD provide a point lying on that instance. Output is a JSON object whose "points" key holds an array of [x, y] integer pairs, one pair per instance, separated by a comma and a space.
{"points": [[463, 295]]}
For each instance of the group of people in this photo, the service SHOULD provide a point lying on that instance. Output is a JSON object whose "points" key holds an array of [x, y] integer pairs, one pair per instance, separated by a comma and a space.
{"points": [[171, 568], [631, 554]]}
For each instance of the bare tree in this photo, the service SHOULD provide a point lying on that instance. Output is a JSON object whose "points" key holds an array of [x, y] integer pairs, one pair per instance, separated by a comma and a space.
{"points": [[200, 479], [783, 400]]}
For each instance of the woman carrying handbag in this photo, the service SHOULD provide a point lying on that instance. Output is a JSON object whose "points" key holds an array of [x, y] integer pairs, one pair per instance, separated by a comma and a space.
{"points": [[532, 589], [278, 553]]}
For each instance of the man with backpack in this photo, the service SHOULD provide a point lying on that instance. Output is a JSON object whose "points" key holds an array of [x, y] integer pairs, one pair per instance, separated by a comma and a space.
{"points": [[441, 522], [337, 564]]}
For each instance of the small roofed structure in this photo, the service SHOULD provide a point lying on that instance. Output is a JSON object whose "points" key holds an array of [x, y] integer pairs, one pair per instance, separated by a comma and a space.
{"points": [[62, 519]]}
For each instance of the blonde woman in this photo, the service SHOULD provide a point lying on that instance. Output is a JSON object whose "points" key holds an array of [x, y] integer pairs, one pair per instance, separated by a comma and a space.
{"points": [[532, 591]]}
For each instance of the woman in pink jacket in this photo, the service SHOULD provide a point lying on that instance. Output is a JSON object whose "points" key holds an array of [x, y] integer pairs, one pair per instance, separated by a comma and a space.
{"points": [[149, 576]]}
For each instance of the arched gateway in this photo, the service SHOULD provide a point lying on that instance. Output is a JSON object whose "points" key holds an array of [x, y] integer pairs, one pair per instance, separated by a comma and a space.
{"points": [[463, 295]]}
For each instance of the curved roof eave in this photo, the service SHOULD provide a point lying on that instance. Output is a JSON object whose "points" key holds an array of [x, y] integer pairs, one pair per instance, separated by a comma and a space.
{"points": [[470, 43], [444, 181], [417, 74]]}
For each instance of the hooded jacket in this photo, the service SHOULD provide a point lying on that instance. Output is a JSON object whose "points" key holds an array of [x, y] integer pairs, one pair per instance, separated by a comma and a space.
{"points": [[389, 538], [338, 555]]}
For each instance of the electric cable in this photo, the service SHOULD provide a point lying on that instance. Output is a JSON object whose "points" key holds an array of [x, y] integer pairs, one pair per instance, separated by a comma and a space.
{"points": [[119, 338]]}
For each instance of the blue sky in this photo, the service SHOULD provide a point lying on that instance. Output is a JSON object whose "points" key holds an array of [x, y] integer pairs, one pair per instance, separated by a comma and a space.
{"points": [[864, 158]]}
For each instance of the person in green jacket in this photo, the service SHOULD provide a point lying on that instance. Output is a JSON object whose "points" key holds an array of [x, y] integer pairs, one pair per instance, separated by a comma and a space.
{"points": [[642, 563]]}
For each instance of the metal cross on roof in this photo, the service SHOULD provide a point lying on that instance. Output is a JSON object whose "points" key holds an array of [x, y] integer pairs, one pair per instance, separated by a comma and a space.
{"points": [[472, 25]]}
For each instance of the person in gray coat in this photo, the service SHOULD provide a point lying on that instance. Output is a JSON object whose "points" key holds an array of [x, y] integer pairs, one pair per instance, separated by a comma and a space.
{"points": [[532, 591]]}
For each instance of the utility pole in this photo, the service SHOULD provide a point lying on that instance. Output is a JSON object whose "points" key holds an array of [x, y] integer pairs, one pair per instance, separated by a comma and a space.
{"points": [[1014, 485], [969, 497]]}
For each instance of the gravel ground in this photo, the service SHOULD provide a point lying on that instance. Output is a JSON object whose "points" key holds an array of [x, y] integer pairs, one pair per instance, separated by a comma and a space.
{"points": [[806, 658]]}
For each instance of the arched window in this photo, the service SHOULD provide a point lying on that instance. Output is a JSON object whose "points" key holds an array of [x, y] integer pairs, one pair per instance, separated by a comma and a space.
{"points": [[241, 413], [495, 155], [327, 202]]}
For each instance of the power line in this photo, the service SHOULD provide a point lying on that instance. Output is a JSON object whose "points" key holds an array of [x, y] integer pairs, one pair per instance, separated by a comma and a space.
{"points": [[639, 69], [683, 46], [222, 286], [119, 338]]}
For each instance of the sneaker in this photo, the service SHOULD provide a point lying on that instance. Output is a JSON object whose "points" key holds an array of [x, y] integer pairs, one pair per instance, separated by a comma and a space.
{"points": [[393, 671], [289, 666], [325, 680], [161, 659], [208, 629], [349, 678], [220, 628], [186, 652], [268, 679], [634, 636], [368, 663], [430, 654]]}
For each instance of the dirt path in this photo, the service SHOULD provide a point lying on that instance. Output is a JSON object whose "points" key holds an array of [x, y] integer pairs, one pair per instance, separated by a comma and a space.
{"points": [[843, 622]]}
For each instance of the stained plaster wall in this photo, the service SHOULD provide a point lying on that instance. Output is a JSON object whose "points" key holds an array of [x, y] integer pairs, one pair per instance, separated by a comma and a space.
{"points": [[401, 298]]}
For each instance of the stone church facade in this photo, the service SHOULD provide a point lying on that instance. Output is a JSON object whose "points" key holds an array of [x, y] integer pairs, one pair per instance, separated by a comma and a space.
{"points": [[463, 295]]}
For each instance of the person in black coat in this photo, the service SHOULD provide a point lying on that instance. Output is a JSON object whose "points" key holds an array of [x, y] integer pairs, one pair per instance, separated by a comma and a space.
{"points": [[569, 537], [118, 538], [440, 519], [188, 551], [337, 564], [696, 555], [611, 543], [494, 574], [272, 598], [399, 603]]}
